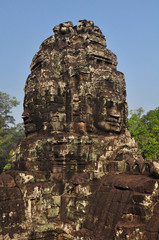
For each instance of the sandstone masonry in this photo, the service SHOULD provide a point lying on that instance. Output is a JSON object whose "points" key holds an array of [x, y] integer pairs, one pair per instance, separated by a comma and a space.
{"points": [[78, 174]]}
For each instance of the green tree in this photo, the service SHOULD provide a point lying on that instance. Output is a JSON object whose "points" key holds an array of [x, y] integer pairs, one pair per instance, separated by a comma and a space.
{"points": [[145, 129], [10, 133]]}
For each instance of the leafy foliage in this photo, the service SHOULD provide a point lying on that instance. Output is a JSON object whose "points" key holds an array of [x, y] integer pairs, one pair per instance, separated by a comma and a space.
{"points": [[10, 133], [145, 130]]}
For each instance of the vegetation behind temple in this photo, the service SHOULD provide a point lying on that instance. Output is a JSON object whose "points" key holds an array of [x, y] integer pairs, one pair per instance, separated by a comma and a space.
{"points": [[10, 133], [145, 129]]}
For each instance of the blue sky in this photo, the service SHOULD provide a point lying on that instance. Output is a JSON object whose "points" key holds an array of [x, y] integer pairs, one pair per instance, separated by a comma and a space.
{"points": [[131, 29]]}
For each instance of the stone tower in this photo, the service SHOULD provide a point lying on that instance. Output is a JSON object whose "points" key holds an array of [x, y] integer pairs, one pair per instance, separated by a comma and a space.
{"points": [[78, 174]]}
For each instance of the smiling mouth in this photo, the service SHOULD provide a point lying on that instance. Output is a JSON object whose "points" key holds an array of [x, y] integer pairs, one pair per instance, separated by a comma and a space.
{"points": [[114, 120], [27, 122], [110, 125]]}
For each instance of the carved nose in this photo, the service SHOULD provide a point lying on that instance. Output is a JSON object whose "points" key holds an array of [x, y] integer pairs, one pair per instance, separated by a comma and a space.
{"points": [[25, 116], [114, 113]]}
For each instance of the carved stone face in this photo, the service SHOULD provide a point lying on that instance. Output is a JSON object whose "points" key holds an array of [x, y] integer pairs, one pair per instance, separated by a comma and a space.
{"points": [[29, 125], [109, 115], [69, 67]]}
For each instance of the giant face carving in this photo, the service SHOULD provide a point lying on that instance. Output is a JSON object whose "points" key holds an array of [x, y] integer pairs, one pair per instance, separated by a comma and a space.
{"points": [[109, 115], [74, 84]]}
